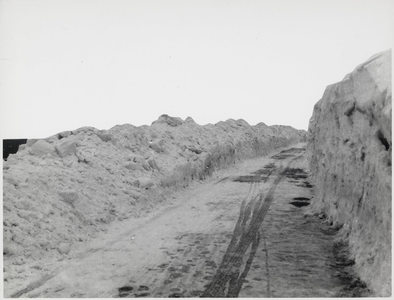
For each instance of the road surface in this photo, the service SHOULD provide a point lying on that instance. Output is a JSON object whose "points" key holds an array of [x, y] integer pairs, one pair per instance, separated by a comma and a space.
{"points": [[243, 233]]}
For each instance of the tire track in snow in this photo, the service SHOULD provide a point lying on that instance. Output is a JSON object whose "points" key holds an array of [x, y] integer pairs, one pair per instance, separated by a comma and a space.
{"points": [[228, 280]]}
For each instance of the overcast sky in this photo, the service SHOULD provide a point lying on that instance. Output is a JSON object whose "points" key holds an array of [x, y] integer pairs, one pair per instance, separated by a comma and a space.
{"points": [[66, 64]]}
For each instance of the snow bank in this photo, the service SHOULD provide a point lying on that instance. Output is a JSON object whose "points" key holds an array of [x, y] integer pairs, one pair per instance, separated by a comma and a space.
{"points": [[349, 150], [63, 190]]}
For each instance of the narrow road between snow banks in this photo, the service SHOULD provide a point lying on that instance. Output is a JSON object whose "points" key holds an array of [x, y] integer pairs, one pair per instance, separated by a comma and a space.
{"points": [[243, 233]]}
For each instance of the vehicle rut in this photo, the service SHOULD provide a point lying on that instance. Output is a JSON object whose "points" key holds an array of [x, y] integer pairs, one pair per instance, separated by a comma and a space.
{"points": [[229, 279]]}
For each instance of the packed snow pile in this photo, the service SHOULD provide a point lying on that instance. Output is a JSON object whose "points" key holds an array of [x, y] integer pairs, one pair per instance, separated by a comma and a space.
{"points": [[349, 150], [61, 191]]}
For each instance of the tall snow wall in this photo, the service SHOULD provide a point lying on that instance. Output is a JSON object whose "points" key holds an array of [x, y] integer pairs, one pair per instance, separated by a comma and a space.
{"points": [[349, 151]]}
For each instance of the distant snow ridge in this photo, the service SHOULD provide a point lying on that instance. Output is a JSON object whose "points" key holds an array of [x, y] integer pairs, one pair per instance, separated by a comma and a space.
{"points": [[62, 190], [350, 148]]}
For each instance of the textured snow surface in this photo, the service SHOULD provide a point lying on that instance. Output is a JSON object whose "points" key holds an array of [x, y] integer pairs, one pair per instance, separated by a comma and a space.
{"points": [[349, 150], [61, 191]]}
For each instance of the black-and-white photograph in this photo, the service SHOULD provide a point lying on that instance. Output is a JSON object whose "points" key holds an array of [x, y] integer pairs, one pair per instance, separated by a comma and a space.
{"points": [[196, 149]]}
